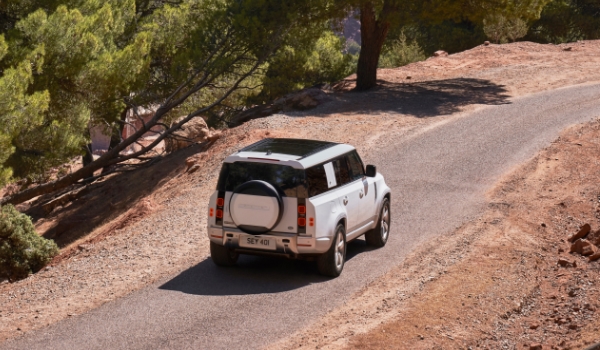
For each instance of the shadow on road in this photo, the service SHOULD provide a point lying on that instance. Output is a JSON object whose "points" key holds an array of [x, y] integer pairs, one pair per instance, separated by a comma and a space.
{"points": [[420, 99], [253, 275]]}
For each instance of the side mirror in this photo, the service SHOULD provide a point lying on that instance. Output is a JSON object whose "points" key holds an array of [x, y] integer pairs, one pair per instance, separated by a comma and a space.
{"points": [[371, 170]]}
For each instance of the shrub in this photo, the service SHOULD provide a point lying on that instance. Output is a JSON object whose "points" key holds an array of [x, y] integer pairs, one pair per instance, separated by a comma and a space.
{"points": [[299, 66], [401, 52], [22, 250], [500, 29]]}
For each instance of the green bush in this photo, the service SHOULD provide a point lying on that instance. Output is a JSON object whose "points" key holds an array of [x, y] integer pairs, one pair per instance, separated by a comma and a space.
{"points": [[401, 52], [22, 250], [299, 66]]}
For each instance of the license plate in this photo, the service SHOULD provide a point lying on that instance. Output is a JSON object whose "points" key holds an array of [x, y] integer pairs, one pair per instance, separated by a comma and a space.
{"points": [[258, 242]]}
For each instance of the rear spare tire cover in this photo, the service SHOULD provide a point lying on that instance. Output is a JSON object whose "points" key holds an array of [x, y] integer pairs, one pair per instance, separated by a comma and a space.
{"points": [[256, 207]]}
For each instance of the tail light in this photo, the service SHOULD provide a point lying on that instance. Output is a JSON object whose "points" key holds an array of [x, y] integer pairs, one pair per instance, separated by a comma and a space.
{"points": [[311, 222], [220, 206], [301, 222], [301, 215]]}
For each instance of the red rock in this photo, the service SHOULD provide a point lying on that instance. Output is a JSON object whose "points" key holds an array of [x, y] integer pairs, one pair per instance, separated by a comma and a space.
{"points": [[594, 256], [584, 231], [440, 53], [534, 326], [564, 262], [576, 247], [193, 169], [588, 248], [535, 346]]}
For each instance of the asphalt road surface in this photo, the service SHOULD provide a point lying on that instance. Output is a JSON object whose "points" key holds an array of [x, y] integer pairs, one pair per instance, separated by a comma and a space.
{"points": [[438, 178]]}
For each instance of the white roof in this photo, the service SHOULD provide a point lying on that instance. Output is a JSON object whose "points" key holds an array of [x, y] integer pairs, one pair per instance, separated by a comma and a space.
{"points": [[291, 160]]}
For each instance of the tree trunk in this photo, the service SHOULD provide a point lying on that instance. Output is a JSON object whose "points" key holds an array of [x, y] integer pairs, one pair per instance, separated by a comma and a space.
{"points": [[373, 32]]}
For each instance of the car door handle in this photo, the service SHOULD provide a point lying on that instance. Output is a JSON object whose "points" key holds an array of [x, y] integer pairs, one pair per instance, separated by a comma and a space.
{"points": [[345, 200]]}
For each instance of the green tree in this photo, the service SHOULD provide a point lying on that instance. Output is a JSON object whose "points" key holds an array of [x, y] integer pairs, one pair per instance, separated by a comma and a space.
{"points": [[305, 63], [500, 29], [207, 51], [400, 52], [19, 110], [564, 21], [83, 69], [379, 16]]}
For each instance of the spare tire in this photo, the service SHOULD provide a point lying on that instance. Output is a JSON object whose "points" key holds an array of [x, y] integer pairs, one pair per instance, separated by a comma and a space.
{"points": [[256, 207]]}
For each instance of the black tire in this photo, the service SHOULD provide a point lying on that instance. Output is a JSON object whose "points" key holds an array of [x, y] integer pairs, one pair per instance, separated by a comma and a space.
{"points": [[378, 237], [222, 256], [329, 263]]}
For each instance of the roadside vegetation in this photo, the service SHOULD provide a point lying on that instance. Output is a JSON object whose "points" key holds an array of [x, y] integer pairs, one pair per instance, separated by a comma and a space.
{"points": [[22, 250]]}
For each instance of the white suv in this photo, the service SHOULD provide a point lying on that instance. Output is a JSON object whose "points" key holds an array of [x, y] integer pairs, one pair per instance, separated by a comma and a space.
{"points": [[297, 199]]}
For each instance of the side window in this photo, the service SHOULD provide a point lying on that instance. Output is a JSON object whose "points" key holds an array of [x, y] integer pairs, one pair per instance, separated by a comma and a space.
{"points": [[357, 171], [317, 180], [341, 171]]}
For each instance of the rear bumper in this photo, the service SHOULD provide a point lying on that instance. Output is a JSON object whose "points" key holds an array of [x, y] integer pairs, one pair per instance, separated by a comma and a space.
{"points": [[287, 244]]}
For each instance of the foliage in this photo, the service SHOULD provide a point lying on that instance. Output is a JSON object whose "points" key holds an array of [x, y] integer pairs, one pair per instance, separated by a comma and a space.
{"points": [[22, 250], [19, 110], [83, 67], [297, 66], [449, 36], [566, 21], [400, 52], [501, 29]]}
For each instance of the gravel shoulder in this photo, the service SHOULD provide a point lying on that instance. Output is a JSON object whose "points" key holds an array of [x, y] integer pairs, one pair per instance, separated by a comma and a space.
{"points": [[159, 231]]}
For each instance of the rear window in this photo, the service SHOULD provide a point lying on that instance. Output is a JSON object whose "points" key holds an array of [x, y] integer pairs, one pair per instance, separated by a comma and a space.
{"points": [[288, 181]]}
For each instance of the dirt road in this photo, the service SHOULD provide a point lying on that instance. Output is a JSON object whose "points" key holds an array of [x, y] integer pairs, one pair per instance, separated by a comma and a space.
{"points": [[439, 174]]}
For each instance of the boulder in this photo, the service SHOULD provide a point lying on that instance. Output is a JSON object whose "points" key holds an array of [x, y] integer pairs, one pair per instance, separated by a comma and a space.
{"points": [[486, 43], [594, 237], [583, 232], [194, 131], [594, 256], [588, 248], [577, 246], [440, 53]]}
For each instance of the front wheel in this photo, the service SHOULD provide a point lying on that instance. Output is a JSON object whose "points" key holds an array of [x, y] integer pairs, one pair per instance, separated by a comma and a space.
{"points": [[378, 237], [222, 256], [332, 262]]}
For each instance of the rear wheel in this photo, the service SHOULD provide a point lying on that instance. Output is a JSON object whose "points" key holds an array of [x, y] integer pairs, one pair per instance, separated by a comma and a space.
{"points": [[378, 237], [222, 256], [332, 262]]}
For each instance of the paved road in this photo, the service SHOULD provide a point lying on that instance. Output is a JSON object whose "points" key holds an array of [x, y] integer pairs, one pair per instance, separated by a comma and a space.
{"points": [[439, 178]]}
